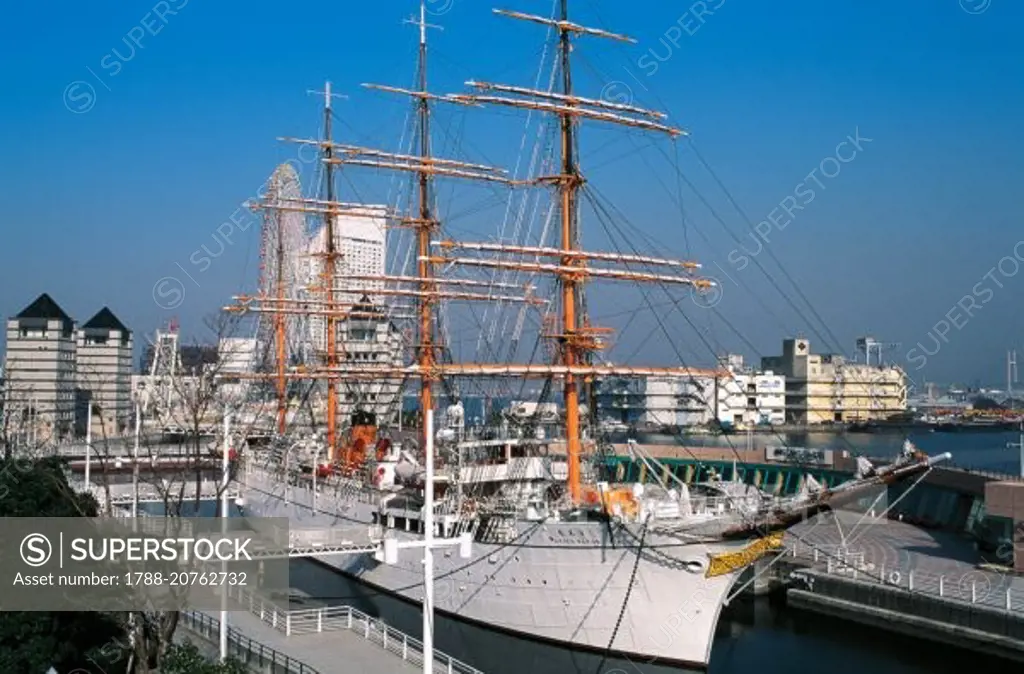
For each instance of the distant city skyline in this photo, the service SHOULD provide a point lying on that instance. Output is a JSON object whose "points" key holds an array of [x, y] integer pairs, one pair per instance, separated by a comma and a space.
{"points": [[869, 155]]}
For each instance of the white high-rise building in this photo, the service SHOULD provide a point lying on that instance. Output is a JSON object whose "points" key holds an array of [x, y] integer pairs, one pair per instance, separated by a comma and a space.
{"points": [[40, 370], [104, 369], [236, 355], [361, 244], [369, 339]]}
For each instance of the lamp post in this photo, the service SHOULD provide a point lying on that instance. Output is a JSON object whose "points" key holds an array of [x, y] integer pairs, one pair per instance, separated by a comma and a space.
{"points": [[88, 443], [388, 553], [316, 469], [225, 470], [135, 463]]}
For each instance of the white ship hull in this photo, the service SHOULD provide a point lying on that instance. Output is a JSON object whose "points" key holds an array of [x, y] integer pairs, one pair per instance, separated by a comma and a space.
{"points": [[576, 585]]}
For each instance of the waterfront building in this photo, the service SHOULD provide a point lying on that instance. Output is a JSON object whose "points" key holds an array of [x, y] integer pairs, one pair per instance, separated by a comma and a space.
{"points": [[827, 388], [744, 397], [103, 370], [749, 397], [656, 401], [40, 370]]}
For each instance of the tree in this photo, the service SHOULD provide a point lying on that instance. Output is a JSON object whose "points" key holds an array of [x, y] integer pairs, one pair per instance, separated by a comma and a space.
{"points": [[186, 658], [36, 641], [192, 404], [115, 643], [23, 430]]}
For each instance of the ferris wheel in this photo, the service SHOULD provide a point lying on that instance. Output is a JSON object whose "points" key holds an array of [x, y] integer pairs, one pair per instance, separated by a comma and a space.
{"points": [[284, 265]]}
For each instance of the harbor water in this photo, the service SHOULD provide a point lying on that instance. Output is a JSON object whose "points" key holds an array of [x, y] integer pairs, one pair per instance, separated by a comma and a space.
{"points": [[984, 450]]}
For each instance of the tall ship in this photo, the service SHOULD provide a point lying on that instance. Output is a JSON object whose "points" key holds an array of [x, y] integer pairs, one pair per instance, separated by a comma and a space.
{"points": [[563, 552]]}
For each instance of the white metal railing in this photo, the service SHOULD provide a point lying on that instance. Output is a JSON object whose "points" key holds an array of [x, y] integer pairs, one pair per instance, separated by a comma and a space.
{"points": [[333, 618], [122, 494], [248, 651], [975, 586]]}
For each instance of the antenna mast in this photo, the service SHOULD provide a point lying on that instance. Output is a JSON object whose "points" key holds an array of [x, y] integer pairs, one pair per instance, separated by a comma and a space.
{"points": [[1011, 376]]}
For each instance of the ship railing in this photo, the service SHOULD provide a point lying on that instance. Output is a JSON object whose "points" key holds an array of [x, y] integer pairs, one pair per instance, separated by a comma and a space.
{"points": [[711, 505], [499, 506], [975, 586], [329, 490], [960, 468], [252, 653], [335, 618]]}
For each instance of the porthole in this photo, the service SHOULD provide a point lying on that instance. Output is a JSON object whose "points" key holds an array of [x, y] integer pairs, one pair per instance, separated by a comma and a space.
{"points": [[694, 565]]}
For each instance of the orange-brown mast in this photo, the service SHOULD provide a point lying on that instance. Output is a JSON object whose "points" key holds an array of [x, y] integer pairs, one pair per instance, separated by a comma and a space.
{"points": [[279, 319], [575, 338], [424, 231], [569, 183], [330, 256], [576, 341]]}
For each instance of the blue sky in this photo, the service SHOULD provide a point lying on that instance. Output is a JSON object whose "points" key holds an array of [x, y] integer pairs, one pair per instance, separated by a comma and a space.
{"points": [[128, 139]]}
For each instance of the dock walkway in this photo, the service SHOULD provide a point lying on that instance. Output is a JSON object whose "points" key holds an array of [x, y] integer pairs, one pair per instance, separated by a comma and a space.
{"points": [[320, 640], [899, 555], [902, 578], [340, 652], [326, 634]]}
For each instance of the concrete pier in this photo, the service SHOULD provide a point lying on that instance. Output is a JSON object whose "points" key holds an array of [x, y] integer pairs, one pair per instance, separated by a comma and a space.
{"points": [[949, 621], [897, 577]]}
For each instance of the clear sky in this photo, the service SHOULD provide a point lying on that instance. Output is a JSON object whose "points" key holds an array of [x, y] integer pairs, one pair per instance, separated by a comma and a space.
{"points": [[132, 130]]}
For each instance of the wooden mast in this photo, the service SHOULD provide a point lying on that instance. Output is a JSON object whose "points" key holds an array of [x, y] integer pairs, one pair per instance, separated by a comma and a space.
{"points": [[569, 185], [279, 324], [330, 257], [424, 233], [575, 339]]}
